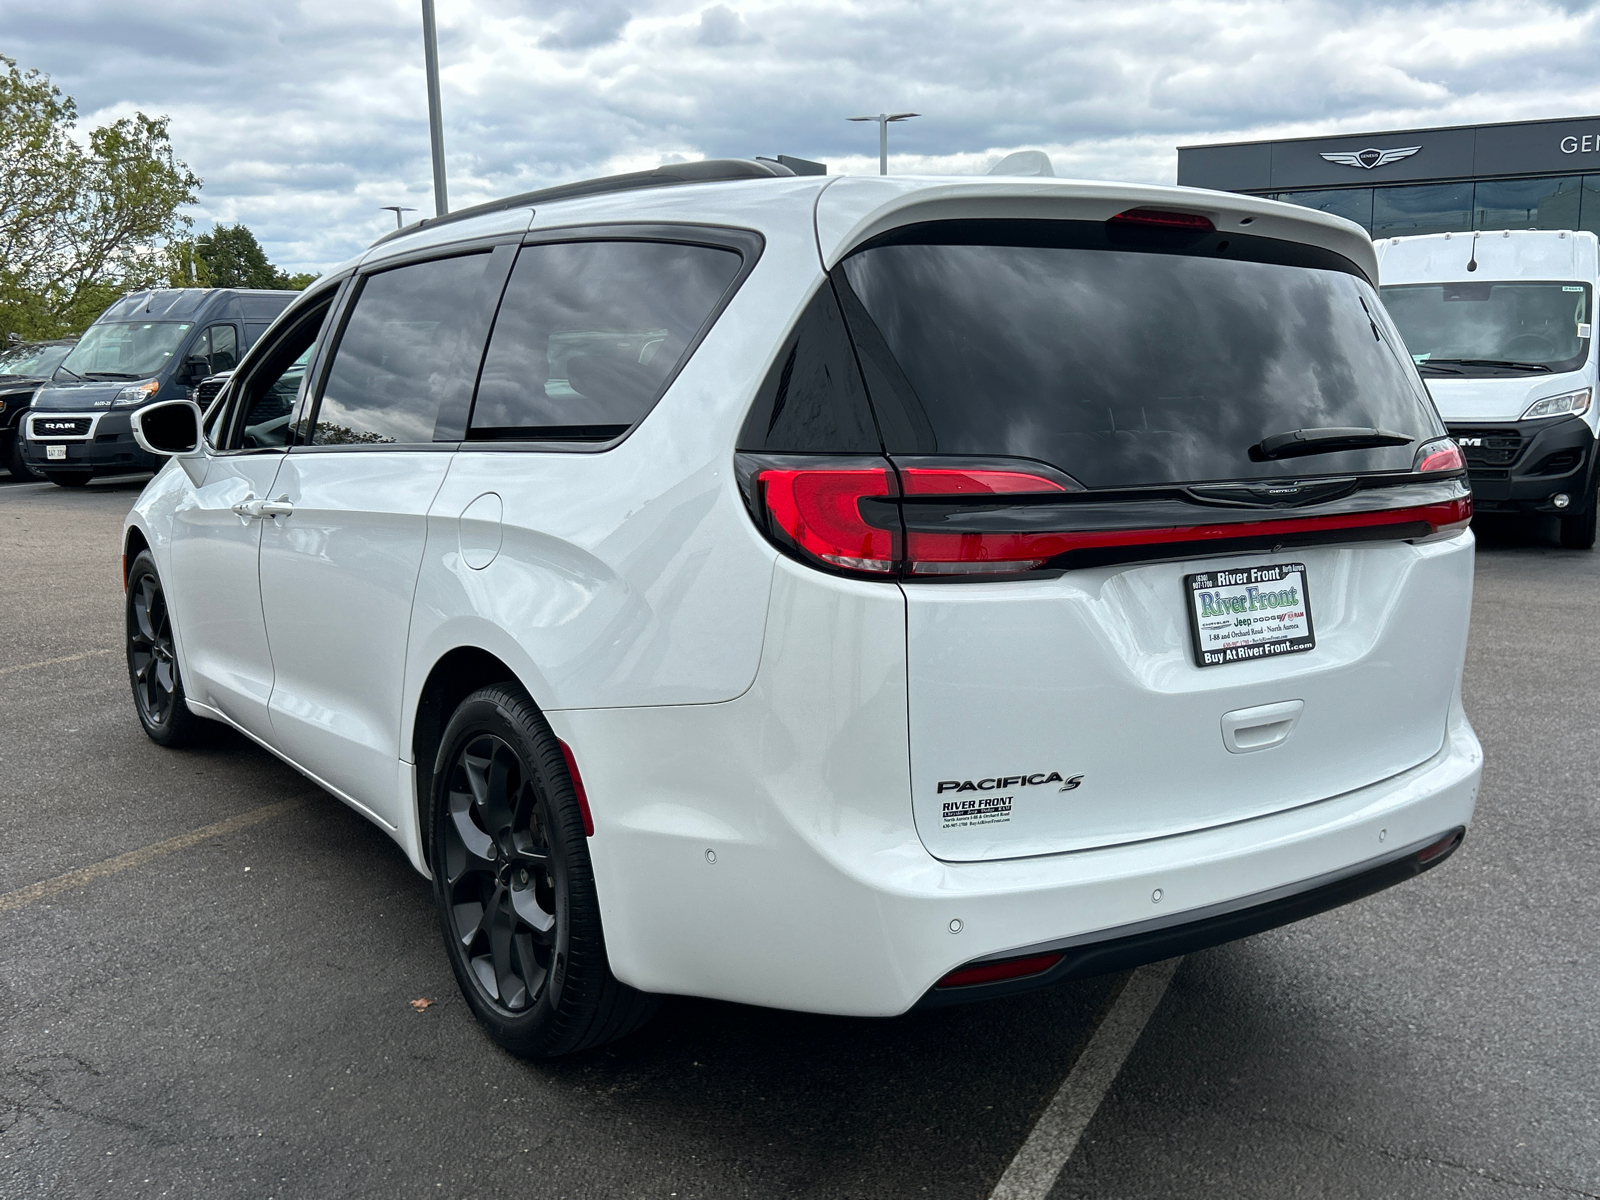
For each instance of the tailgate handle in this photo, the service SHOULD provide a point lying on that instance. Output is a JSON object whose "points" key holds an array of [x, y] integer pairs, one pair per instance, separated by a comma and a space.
{"points": [[1260, 728]]}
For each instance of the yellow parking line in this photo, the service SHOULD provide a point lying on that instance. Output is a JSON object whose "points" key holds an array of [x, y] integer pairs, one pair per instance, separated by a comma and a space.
{"points": [[134, 858], [50, 662]]}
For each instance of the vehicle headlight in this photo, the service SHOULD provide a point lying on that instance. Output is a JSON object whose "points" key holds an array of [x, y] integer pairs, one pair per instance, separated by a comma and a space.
{"points": [[138, 393], [1567, 404]]}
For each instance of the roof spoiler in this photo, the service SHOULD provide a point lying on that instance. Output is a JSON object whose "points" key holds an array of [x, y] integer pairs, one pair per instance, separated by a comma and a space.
{"points": [[711, 170]]}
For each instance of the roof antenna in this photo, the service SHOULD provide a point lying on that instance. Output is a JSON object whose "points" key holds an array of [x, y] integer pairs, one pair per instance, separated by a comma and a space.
{"points": [[1472, 263]]}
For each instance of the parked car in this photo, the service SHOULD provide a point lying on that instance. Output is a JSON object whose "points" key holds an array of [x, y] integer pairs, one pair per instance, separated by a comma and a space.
{"points": [[24, 366], [146, 348], [1501, 323], [840, 594]]}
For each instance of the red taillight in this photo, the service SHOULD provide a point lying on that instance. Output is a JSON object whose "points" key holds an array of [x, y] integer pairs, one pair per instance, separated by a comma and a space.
{"points": [[577, 788], [820, 512], [1015, 968], [945, 481], [1160, 218], [1442, 455], [990, 553]]}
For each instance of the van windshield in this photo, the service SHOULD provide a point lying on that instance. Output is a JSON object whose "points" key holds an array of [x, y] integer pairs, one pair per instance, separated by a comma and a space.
{"points": [[1489, 327], [1127, 367], [125, 349]]}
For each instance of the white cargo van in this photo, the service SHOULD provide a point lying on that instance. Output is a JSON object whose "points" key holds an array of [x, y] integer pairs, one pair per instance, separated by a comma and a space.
{"points": [[1499, 323]]}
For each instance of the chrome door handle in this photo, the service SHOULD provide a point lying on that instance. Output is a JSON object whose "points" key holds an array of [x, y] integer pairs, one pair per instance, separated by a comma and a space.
{"points": [[249, 508], [276, 508]]}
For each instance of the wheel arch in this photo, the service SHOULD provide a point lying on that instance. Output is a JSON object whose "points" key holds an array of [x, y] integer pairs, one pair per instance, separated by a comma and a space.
{"points": [[452, 678], [134, 543]]}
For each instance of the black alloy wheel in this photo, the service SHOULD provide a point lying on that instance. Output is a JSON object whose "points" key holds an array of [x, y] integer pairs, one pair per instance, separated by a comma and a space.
{"points": [[153, 661], [514, 885]]}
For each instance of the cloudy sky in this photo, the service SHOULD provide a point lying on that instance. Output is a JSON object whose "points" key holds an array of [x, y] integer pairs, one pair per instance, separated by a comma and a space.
{"points": [[303, 118]]}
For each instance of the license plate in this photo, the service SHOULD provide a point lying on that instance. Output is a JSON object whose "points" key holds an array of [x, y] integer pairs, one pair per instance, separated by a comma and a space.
{"points": [[1246, 613], [54, 452]]}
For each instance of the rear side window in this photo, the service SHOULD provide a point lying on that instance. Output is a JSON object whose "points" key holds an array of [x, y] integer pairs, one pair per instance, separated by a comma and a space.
{"points": [[407, 350], [589, 334], [1126, 365]]}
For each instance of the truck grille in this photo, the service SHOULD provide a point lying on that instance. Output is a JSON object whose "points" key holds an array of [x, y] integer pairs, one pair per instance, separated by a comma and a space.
{"points": [[1489, 447], [206, 390], [45, 428]]}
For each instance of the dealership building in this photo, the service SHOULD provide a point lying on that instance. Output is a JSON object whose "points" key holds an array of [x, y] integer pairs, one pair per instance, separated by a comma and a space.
{"points": [[1521, 175]]}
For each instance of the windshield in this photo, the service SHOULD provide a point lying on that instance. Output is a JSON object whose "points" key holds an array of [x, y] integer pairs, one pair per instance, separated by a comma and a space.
{"points": [[126, 349], [1127, 367], [1473, 326], [32, 360]]}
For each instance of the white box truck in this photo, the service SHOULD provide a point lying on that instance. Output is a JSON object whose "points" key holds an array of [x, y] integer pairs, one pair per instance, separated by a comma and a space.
{"points": [[1500, 324]]}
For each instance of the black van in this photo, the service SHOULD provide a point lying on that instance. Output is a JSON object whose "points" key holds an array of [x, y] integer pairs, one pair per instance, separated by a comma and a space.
{"points": [[148, 346]]}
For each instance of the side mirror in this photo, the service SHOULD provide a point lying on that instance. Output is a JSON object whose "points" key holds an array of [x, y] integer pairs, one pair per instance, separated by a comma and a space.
{"points": [[196, 367], [169, 429]]}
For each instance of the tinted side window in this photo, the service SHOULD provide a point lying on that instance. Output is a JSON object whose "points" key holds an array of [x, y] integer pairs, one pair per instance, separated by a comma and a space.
{"points": [[812, 401], [405, 350], [590, 333], [262, 405], [219, 346]]}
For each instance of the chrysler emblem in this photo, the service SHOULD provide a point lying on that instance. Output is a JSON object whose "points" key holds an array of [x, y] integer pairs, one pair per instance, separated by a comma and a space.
{"points": [[1371, 157]]}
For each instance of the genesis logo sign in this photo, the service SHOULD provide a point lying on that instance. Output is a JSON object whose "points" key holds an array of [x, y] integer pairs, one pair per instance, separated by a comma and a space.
{"points": [[1371, 157]]}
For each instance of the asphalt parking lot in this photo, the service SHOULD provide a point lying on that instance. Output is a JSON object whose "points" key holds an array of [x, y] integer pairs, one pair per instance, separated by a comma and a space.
{"points": [[219, 1001]]}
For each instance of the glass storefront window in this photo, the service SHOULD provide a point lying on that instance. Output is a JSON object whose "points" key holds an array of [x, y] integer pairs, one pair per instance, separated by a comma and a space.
{"points": [[1589, 214], [1526, 204], [1353, 204], [1426, 208]]}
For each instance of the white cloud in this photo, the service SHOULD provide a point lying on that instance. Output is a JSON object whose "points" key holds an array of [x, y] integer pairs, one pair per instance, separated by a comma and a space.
{"points": [[304, 118]]}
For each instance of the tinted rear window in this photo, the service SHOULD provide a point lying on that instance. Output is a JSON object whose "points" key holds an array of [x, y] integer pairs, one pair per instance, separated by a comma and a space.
{"points": [[1126, 366]]}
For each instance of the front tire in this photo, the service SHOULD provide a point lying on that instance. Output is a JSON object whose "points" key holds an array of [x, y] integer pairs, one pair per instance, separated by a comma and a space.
{"points": [[158, 695], [1578, 531], [514, 885], [21, 468]]}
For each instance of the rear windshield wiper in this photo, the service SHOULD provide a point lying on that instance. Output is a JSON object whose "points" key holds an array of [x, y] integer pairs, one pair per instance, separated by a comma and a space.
{"points": [[1489, 362], [1299, 442]]}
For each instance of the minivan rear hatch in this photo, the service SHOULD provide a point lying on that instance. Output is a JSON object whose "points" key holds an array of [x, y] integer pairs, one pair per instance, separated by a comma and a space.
{"points": [[1180, 527]]}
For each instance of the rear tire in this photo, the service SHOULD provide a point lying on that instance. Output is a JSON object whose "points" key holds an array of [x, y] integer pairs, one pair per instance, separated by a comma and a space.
{"points": [[1578, 531], [68, 479], [158, 695], [514, 885], [21, 468]]}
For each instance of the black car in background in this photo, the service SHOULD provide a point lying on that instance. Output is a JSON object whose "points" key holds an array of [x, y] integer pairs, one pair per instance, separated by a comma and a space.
{"points": [[148, 346], [24, 367]]}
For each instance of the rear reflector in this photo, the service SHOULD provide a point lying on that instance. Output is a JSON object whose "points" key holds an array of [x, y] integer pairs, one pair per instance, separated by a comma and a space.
{"points": [[1440, 848], [1160, 218], [994, 972], [577, 788]]}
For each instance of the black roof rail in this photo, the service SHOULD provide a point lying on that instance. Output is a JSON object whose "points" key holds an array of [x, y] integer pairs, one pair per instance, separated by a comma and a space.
{"points": [[710, 170]]}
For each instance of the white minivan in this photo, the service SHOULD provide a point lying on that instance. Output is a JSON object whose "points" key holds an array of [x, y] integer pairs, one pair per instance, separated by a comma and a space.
{"points": [[1500, 324], [838, 594]]}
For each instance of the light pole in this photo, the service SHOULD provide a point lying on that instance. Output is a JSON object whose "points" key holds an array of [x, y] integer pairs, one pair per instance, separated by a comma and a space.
{"points": [[883, 120], [430, 58], [397, 209]]}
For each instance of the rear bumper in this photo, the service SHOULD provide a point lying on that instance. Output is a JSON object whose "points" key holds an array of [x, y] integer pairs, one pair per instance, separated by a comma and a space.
{"points": [[783, 869], [1520, 466], [1154, 940], [106, 448]]}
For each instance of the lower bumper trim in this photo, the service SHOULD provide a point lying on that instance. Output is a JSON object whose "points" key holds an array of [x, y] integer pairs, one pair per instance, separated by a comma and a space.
{"points": [[1120, 953]]}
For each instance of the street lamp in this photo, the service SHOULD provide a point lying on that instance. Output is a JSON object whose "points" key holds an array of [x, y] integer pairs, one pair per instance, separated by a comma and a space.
{"points": [[397, 209], [430, 61], [883, 120]]}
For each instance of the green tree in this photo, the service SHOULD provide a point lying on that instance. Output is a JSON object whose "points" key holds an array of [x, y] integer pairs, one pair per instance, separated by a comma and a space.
{"points": [[233, 258], [79, 225]]}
